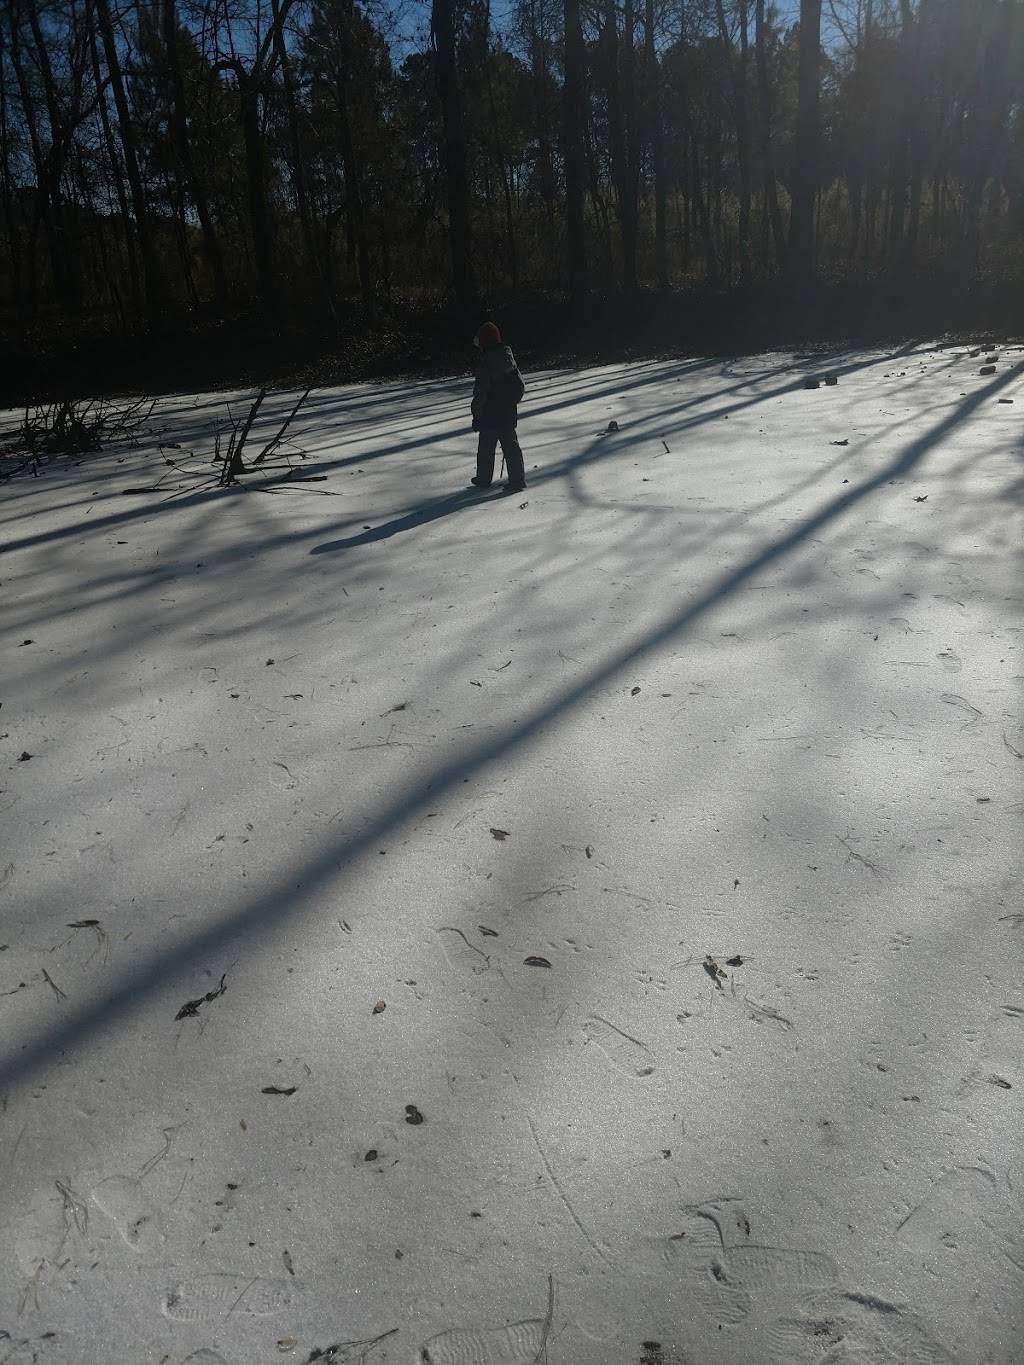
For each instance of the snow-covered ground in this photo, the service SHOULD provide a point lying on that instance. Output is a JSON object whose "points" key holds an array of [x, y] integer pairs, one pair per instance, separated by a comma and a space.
{"points": [[653, 836]]}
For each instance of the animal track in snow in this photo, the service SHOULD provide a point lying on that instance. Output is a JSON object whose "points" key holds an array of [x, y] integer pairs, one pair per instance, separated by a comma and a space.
{"points": [[461, 954], [519, 1344], [628, 1054], [130, 1209], [217, 1295]]}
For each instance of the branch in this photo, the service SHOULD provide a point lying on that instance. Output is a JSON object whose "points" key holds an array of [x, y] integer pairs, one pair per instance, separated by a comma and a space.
{"points": [[272, 445], [268, 41]]}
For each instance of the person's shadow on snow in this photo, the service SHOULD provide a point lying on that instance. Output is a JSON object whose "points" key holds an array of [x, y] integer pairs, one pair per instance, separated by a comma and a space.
{"points": [[420, 516]]}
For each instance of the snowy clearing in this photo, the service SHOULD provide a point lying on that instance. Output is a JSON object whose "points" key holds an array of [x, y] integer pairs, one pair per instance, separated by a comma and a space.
{"points": [[581, 926]]}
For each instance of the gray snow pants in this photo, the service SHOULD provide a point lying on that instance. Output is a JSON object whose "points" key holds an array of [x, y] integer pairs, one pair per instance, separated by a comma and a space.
{"points": [[511, 450]]}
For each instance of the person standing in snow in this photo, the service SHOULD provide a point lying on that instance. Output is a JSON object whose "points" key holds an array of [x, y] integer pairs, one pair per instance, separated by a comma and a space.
{"points": [[496, 394]]}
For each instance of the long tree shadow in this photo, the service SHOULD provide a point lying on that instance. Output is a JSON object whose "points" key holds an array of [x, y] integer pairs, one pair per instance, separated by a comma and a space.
{"points": [[283, 900], [423, 515], [600, 447]]}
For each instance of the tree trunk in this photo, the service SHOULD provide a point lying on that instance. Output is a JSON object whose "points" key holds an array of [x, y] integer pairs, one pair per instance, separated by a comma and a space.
{"points": [[616, 136], [150, 266], [601, 212], [652, 80], [183, 152], [738, 80], [48, 188], [703, 216], [805, 170], [764, 100], [300, 180], [356, 216], [115, 174], [60, 126], [575, 165], [256, 193], [442, 33], [904, 116], [631, 168], [13, 229], [545, 159], [503, 168]]}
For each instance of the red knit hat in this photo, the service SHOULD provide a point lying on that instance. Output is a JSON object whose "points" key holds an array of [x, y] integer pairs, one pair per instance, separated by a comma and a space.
{"points": [[488, 336]]}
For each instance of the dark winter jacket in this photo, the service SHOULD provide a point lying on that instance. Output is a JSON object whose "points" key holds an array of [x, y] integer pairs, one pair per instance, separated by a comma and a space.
{"points": [[497, 390]]}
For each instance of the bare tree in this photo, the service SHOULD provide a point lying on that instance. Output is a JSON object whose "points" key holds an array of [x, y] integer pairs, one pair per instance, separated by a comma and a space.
{"points": [[764, 129], [442, 37], [737, 69], [183, 151], [805, 158], [252, 82], [656, 133], [155, 290], [573, 149]]}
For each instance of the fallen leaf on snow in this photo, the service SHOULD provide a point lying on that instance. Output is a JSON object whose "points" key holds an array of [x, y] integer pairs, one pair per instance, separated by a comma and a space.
{"points": [[192, 1007], [714, 971]]}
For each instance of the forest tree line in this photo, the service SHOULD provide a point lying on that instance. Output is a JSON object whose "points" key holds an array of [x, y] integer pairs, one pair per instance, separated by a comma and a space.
{"points": [[296, 155]]}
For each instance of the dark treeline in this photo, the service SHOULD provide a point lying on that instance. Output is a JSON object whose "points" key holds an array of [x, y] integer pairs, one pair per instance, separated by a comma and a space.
{"points": [[163, 157]]}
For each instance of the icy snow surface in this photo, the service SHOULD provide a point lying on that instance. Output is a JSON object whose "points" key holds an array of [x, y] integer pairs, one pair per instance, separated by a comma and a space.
{"points": [[671, 809]]}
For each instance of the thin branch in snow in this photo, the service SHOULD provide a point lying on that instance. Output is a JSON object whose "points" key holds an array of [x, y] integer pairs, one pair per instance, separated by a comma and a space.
{"points": [[595, 1246], [53, 985]]}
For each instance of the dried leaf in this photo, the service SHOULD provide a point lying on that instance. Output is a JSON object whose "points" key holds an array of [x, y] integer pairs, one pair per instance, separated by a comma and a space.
{"points": [[714, 971], [192, 1007]]}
